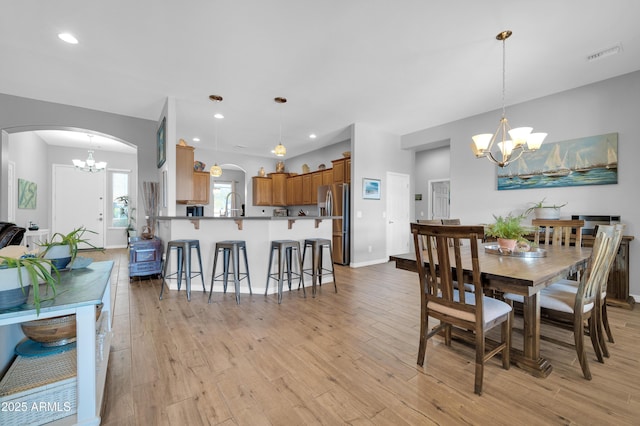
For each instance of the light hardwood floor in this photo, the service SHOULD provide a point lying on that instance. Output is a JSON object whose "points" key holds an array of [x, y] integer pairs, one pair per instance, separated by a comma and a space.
{"points": [[345, 358]]}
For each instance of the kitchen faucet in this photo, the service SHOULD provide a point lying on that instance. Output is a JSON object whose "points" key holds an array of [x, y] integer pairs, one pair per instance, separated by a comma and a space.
{"points": [[231, 212]]}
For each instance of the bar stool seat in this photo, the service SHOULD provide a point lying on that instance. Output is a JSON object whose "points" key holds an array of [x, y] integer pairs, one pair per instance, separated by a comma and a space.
{"points": [[231, 248], [317, 269], [285, 248], [183, 249]]}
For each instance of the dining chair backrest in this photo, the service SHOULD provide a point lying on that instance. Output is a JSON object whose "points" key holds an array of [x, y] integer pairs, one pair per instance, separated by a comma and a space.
{"points": [[451, 221], [615, 233], [559, 231], [596, 273], [429, 222], [442, 282]]}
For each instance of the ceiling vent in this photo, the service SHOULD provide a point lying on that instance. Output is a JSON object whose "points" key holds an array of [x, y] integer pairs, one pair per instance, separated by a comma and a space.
{"points": [[613, 50]]}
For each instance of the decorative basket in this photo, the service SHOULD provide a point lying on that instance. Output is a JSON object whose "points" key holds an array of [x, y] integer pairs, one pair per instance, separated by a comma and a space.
{"points": [[39, 390]]}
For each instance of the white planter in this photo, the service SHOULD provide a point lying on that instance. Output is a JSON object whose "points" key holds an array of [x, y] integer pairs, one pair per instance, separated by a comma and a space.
{"points": [[11, 293], [547, 213]]}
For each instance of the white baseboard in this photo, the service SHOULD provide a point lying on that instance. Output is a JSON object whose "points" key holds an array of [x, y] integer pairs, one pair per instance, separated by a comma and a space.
{"points": [[369, 263]]}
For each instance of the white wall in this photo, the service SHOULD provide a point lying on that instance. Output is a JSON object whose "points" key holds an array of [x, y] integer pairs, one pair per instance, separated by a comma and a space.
{"points": [[604, 107], [375, 152], [430, 165], [30, 155]]}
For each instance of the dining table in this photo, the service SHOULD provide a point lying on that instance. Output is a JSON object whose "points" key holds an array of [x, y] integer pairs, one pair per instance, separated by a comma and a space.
{"points": [[521, 275]]}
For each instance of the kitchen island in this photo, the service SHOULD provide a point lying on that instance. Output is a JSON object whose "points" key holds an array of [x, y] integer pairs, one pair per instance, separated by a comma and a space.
{"points": [[257, 231]]}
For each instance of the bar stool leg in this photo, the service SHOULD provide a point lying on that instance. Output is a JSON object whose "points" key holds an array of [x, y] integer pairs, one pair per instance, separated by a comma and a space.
{"points": [[333, 272], [304, 292], [213, 274], [246, 268], [266, 291], [179, 265], [235, 252], [204, 289], [225, 270], [281, 261], [164, 272], [187, 266]]}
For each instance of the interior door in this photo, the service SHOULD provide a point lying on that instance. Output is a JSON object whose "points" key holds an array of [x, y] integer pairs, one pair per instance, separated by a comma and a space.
{"points": [[398, 207], [78, 200], [440, 199]]}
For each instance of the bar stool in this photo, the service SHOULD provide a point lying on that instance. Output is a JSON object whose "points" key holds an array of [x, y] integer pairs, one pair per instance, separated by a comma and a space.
{"points": [[285, 249], [183, 248], [231, 248], [317, 269]]}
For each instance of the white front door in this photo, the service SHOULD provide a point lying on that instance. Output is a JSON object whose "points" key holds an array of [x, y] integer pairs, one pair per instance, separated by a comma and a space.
{"points": [[78, 200], [398, 207]]}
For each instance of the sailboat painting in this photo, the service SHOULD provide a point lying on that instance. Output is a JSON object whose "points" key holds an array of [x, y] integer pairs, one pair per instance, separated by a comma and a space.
{"points": [[590, 160]]}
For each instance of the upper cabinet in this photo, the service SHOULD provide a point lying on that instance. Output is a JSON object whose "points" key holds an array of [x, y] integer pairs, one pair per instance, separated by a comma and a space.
{"points": [[279, 189], [191, 187], [262, 191], [342, 170]]}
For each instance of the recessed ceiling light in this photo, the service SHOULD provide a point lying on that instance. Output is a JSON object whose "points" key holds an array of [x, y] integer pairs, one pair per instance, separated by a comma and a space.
{"points": [[218, 115], [196, 139], [68, 38], [312, 136]]}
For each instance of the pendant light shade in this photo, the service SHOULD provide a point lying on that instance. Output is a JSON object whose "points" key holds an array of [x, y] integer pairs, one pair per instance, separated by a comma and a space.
{"points": [[215, 170], [280, 149]]}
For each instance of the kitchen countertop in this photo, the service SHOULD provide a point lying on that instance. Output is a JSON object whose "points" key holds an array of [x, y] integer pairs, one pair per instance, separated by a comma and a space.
{"points": [[265, 217]]}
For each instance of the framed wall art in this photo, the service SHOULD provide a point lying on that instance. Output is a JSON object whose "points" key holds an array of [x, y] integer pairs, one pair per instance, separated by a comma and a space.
{"points": [[591, 160], [27, 194], [161, 142], [370, 189]]}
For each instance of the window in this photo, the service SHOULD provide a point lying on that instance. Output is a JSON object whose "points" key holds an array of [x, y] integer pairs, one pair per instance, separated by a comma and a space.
{"points": [[120, 197], [220, 192]]}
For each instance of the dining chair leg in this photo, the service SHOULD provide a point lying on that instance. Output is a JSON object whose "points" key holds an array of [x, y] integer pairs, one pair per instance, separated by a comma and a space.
{"points": [[506, 338], [578, 337], [423, 337], [595, 333], [605, 321], [479, 362]]}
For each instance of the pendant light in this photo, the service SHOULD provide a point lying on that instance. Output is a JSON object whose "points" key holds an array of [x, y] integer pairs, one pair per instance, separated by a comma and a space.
{"points": [[216, 171], [280, 150], [90, 165], [521, 139]]}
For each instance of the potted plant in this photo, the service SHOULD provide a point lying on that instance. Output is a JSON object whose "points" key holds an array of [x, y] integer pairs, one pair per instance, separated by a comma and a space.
{"points": [[19, 272], [62, 249], [544, 211], [129, 214], [508, 230]]}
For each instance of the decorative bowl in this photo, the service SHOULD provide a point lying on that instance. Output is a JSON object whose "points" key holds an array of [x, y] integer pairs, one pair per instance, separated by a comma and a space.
{"points": [[198, 166], [346, 154], [60, 262], [322, 167], [54, 331]]}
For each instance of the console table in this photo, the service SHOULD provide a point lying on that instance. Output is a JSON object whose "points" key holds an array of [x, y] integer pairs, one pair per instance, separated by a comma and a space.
{"points": [[31, 238], [78, 292]]}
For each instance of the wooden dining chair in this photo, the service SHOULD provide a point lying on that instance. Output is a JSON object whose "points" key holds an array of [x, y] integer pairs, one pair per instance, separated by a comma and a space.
{"points": [[602, 322], [559, 231], [451, 221], [442, 301], [429, 222], [570, 308]]}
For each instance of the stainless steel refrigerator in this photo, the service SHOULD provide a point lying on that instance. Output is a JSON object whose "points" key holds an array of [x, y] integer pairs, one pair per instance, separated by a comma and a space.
{"points": [[333, 200]]}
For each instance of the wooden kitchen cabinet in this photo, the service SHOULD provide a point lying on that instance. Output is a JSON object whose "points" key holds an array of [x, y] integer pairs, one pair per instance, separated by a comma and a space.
{"points": [[342, 170], [262, 191], [316, 181], [296, 189], [201, 188], [184, 174], [279, 189], [327, 177], [306, 188]]}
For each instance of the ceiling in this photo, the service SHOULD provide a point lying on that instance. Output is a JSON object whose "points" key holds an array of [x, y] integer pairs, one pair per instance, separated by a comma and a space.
{"points": [[401, 65]]}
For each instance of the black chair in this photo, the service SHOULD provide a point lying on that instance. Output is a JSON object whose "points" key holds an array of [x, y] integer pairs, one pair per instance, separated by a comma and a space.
{"points": [[10, 234]]}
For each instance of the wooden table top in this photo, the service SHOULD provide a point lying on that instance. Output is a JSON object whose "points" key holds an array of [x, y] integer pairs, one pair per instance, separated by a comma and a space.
{"points": [[519, 275]]}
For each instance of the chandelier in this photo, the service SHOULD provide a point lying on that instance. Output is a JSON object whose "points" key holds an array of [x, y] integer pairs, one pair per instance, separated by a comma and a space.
{"points": [[280, 150], [90, 164], [496, 147], [215, 170]]}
